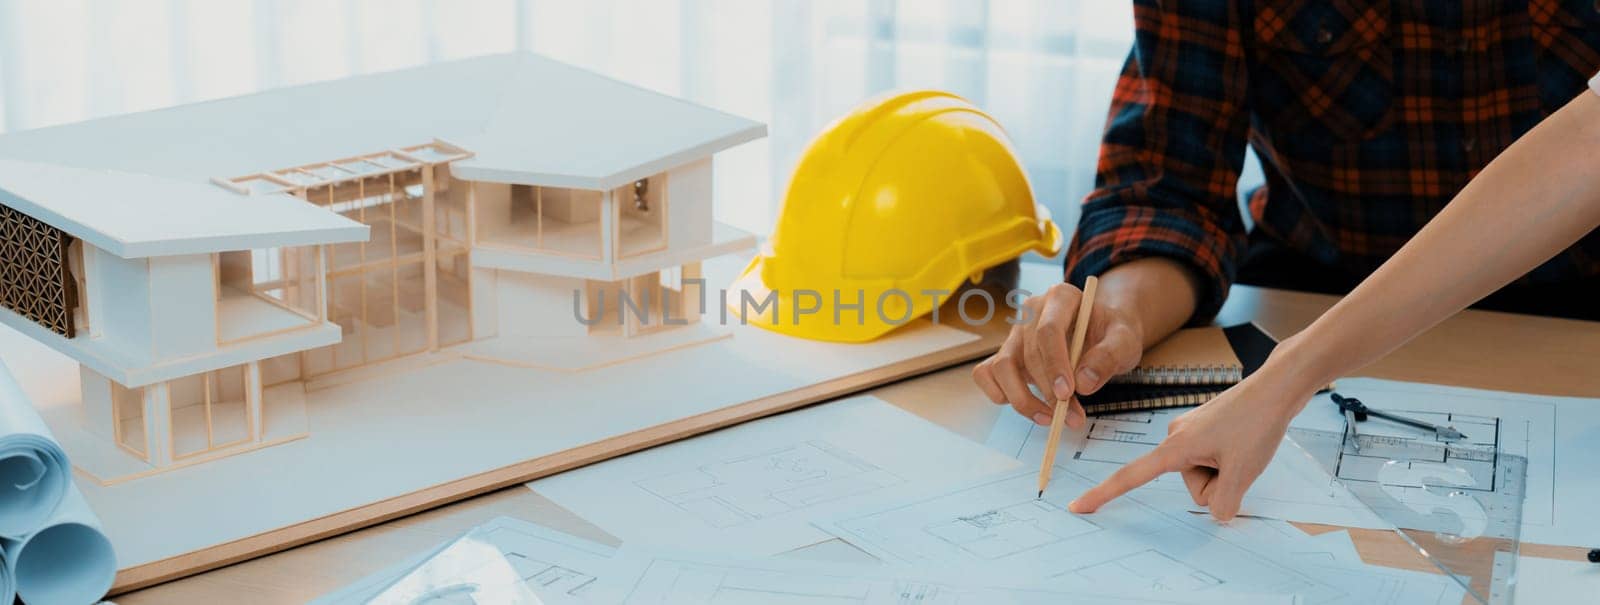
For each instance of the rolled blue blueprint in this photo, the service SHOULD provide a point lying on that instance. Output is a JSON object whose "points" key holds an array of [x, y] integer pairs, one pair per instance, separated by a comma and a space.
{"points": [[34, 473], [67, 562]]}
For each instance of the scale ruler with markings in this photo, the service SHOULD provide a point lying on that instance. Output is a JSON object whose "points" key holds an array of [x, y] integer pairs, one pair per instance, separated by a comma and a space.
{"points": [[1458, 505]]}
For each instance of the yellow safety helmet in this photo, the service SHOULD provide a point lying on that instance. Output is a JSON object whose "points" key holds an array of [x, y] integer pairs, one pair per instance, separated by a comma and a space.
{"points": [[910, 193]]}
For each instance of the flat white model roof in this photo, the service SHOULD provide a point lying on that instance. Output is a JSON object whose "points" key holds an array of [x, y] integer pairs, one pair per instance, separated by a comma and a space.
{"points": [[560, 126], [135, 215], [527, 119]]}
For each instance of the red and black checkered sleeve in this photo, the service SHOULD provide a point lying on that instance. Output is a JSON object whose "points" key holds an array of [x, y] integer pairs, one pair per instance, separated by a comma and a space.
{"points": [[1172, 151]]}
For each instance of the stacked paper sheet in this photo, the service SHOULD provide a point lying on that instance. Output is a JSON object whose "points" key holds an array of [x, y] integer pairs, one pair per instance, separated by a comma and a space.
{"points": [[918, 514], [53, 548], [1557, 436], [928, 516], [512, 561], [550, 567]]}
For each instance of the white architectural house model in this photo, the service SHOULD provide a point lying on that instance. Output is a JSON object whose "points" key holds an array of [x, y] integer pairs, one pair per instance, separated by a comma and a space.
{"points": [[206, 265]]}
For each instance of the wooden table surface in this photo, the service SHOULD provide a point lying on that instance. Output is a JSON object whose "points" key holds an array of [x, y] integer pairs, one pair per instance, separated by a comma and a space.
{"points": [[1475, 349]]}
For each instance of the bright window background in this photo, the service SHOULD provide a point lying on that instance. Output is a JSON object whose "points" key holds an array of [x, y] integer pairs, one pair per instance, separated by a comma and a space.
{"points": [[1044, 68]]}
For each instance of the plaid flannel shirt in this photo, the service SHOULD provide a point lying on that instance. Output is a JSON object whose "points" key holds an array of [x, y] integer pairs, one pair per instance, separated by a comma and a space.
{"points": [[1368, 116]]}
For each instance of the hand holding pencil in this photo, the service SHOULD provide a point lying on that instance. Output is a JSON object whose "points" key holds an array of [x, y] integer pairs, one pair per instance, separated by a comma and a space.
{"points": [[1035, 356], [1058, 420]]}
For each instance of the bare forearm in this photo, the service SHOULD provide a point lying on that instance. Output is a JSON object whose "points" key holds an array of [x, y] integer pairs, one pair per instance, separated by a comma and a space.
{"points": [[1160, 293], [1537, 198]]}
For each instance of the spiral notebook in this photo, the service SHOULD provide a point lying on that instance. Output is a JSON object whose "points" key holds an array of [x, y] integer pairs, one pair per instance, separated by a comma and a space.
{"points": [[1118, 398], [1188, 368]]}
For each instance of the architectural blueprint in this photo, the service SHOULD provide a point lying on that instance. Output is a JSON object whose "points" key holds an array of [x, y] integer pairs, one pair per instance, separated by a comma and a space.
{"points": [[771, 482], [551, 566], [554, 568], [1552, 581], [753, 489], [1492, 423], [671, 580], [1333, 559], [1557, 436], [997, 527], [1292, 487]]}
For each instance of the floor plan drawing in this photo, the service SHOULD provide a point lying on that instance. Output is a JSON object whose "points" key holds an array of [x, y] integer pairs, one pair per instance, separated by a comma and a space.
{"points": [[673, 580], [1292, 486], [676, 581], [1298, 487], [1381, 586], [550, 566], [755, 491], [1119, 438], [755, 486], [1009, 530], [1150, 568], [1125, 546], [1332, 558], [1474, 454], [1493, 425], [549, 577]]}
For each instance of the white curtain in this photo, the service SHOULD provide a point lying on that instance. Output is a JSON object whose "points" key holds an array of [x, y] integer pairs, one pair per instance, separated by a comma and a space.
{"points": [[1044, 68]]}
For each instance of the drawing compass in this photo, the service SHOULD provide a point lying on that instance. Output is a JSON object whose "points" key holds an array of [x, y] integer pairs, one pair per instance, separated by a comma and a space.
{"points": [[1355, 411]]}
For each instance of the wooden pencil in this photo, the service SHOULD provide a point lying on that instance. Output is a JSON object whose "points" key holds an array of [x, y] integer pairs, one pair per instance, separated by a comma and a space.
{"points": [[1080, 329]]}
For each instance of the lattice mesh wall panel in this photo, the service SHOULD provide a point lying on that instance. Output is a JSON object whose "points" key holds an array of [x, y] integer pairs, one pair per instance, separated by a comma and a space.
{"points": [[34, 280]]}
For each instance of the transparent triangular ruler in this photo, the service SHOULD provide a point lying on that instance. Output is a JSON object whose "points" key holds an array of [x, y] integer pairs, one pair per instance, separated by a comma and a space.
{"points": [[1457, 505], [471, 570]]}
